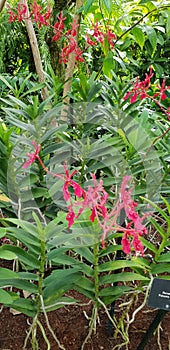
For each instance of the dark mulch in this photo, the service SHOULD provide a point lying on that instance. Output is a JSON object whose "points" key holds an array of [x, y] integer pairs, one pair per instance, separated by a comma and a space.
{"points": [[71, 327]]}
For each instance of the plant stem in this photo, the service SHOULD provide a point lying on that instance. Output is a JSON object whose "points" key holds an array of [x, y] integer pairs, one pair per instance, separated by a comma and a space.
{"points": [[92, 324], [33, 327], [96, 272], [42, 268], [30, 331], [34, 341]]}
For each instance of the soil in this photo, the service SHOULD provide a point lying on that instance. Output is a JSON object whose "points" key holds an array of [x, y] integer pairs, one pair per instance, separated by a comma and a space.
{"points": [[70, 325]]}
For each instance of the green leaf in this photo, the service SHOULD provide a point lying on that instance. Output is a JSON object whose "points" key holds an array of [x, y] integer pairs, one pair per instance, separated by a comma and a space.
{"points": [[160, 211], [152, 37], [85, 283], [2, 232], [167, 204], [17, 101], [25, 306], [149, 245], [85, 287], [55, 187], [164, 257], [158, 228], [6, 82], [28, 276], [40, 192], [24, 257], [120, 61], [57, 287], [6, 273], [114, 265], [39, 226], [86, 253], [15, 121], [27, 226], [19, 283], [28, 180], [6, 254], [168, 23], [111, 249], [108, 5], [160, 268], [122, 277], [5, 297], [114, 290], [37, 87], [108, 65], [159, 69], [59, 275], [139, 36], [110, 294], [60, 258], [95, 88], [32, 243], [143, 2], [87, 5]]}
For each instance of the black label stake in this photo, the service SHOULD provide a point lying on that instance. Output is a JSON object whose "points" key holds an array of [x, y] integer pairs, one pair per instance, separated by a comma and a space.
{"points": [[159, 298]]}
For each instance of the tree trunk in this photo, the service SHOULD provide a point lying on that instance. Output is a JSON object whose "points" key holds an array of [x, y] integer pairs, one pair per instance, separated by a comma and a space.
{"points": [[55, 46], [35, 51], [2, 3]]}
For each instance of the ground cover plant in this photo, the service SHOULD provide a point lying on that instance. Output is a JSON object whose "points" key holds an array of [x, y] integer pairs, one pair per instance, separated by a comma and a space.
{"points": [[84, 177]]}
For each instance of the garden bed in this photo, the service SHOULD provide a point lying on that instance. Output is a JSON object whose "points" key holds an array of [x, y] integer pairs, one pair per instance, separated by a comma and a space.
{"points": [[70, 325]]}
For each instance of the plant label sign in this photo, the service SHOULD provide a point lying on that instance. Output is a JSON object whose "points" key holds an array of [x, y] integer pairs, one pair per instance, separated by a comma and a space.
{"points": [[159, 296]]}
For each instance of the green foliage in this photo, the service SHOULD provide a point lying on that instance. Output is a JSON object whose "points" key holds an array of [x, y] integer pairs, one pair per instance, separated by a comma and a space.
{"points": [[15, 55], [31, 259], [5, 149], [142, 40], [159, 251], [102, 134]]}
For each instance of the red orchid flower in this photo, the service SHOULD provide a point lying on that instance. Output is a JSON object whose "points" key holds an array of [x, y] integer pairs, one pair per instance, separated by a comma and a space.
{"points": [[135, 228], [58, 27], [162, 90], [78, 55], [68, 182], [33, 156], [131, 238], [140, 88], [70, 215], [19, 14], [73, 30], [110, 38]]}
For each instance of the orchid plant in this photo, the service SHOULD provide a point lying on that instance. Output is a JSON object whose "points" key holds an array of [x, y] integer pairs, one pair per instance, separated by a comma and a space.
{"points": [[40, 244], [92, 204], [95, 198], [44, 246], [141, 89]]}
